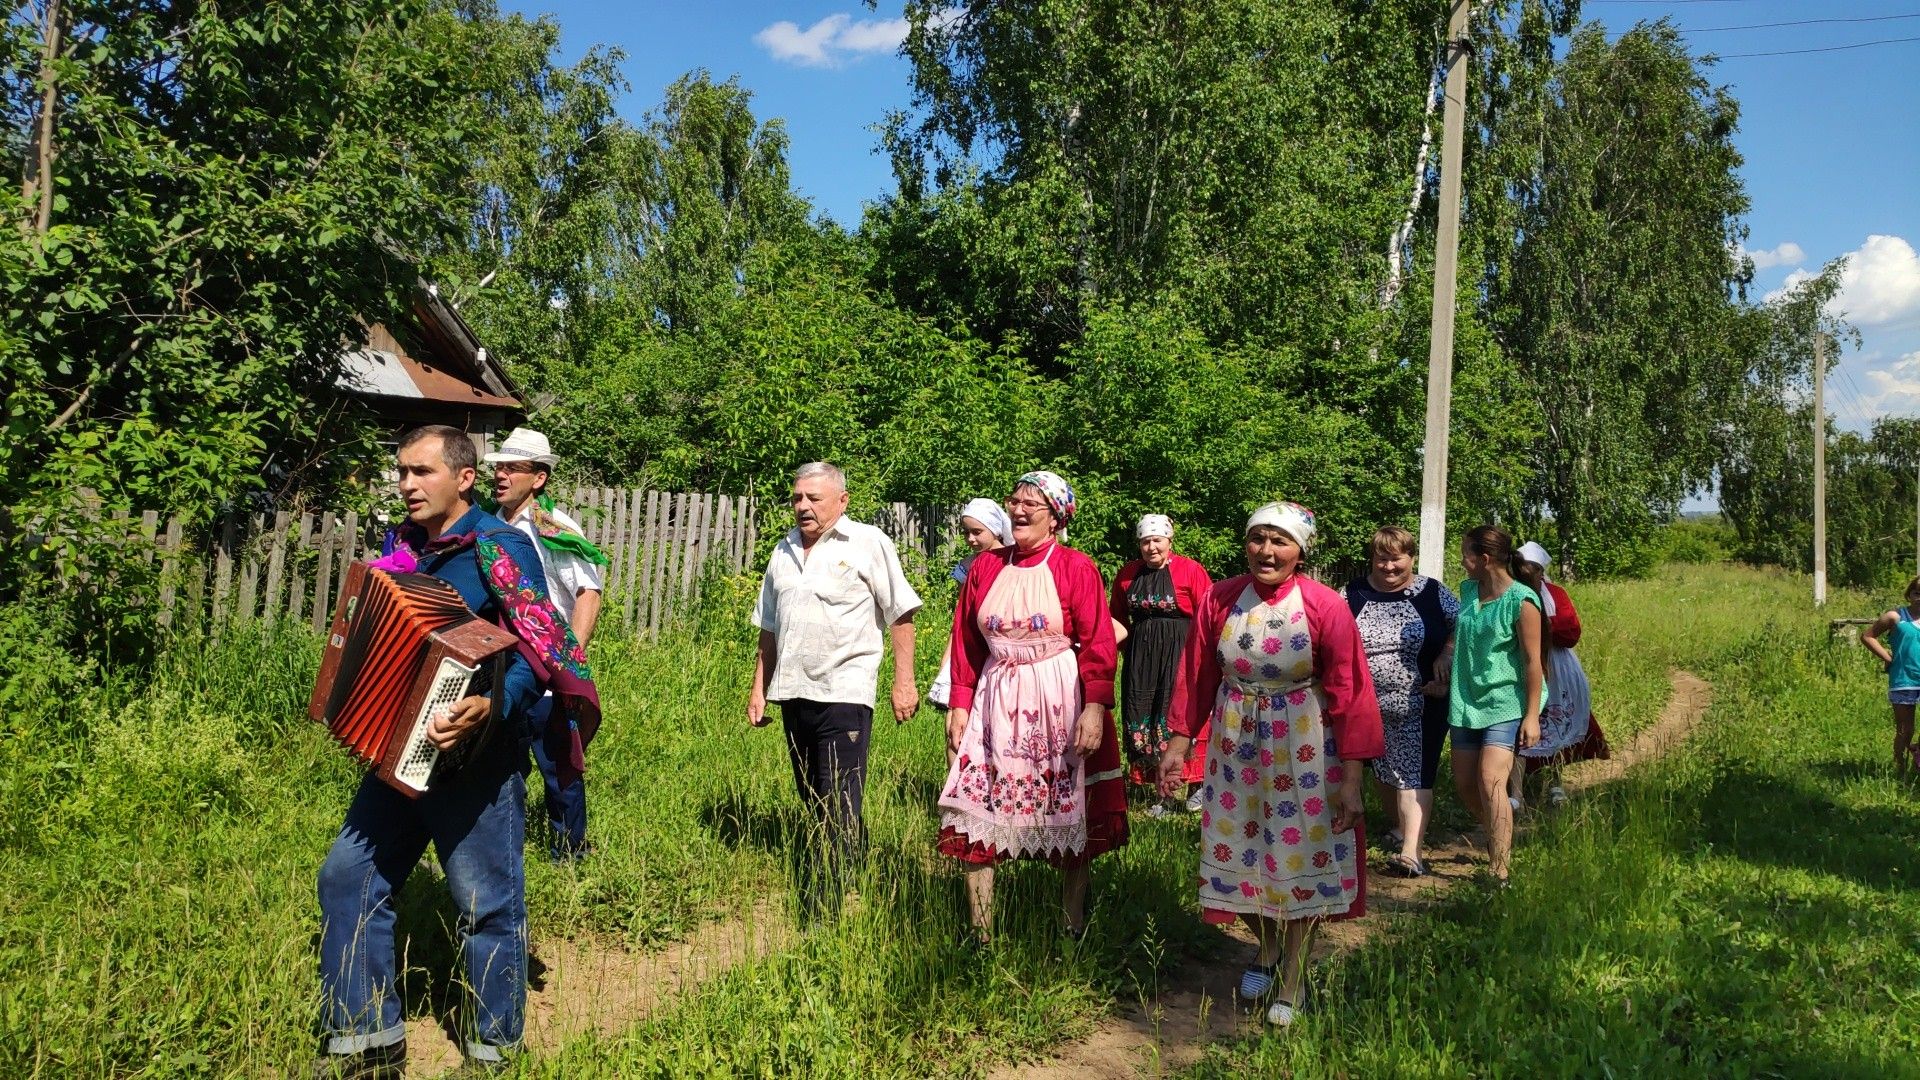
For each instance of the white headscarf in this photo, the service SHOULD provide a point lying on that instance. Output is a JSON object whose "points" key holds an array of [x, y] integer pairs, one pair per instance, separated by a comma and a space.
{"points": [[1534, 553], [1154, 525], [1290, 518], [993, 516]]}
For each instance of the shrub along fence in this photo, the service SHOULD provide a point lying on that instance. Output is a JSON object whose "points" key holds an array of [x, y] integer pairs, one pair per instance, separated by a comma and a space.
{"points": [[287, 567]]}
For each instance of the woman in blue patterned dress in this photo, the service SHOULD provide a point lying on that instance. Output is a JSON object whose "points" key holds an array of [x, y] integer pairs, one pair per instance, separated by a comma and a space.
{"points": [[1405, 620]]}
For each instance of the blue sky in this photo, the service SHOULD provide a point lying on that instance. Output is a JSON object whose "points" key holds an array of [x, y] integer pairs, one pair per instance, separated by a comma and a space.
{"points": [[1831, 140]]}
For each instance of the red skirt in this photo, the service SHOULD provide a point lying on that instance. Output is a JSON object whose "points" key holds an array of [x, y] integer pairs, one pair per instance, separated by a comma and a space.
{"points": [[1106, 802]]}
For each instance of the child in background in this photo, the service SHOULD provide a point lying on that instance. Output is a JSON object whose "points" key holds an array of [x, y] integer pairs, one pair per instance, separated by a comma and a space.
{"points": [[1900, 654]]}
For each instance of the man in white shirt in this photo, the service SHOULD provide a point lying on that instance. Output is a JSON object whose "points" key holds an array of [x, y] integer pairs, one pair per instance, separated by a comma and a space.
{"points": [[521, 469], [831, 585]]}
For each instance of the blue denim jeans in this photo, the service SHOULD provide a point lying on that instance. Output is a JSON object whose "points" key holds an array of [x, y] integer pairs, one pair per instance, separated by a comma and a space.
{"points": [[566, 806], [477, 825]]}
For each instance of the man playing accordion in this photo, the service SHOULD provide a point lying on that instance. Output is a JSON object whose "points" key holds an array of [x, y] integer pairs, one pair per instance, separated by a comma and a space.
{"points": [[475, 816]]}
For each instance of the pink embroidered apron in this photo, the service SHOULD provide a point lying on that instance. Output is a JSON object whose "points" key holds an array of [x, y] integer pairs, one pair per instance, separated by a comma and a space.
{"points": [[1016, 788]]}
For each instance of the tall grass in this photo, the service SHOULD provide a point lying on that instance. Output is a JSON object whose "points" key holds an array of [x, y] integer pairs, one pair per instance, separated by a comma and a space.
{"points": [[159, 836]]}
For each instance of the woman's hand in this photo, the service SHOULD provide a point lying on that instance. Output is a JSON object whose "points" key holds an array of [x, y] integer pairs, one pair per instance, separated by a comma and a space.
{"points": [[1530, 731], [956, 728], [1348, 808], [1089, 729], [1173, 763]]}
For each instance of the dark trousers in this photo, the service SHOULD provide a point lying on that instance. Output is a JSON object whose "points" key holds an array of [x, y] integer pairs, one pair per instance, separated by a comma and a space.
{"points": [[566, 806], [827, 741]]}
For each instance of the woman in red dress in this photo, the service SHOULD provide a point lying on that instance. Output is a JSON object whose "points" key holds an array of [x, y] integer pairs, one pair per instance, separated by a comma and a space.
{"points": [[1154, 598], [1036, 768], [1276, 664]]}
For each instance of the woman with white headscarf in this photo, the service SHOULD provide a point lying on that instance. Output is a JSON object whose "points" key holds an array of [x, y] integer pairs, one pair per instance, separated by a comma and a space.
{"points": [[1154, 598], [1275, 664], [983, 526], [1568, 730]]}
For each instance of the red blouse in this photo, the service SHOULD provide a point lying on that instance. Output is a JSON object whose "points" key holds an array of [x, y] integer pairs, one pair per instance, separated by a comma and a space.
{"points": [[1190, 582], [1563, 628], [1339, 665], [1083, 606]]}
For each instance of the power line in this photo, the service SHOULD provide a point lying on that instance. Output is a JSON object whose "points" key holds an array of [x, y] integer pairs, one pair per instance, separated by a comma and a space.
{"points": [[1796, 22], [1773, 52]]}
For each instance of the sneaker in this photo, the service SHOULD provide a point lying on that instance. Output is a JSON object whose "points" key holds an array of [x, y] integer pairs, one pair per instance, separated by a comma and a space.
{"points": [[1281, 1014], [1258, 981], [1556, 796], [1513, 802], [1193, 801], [374, 1063]]}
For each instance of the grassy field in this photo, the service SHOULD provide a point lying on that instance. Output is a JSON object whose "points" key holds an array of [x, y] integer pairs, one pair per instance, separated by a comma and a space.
{"points": [[1742, 908]]}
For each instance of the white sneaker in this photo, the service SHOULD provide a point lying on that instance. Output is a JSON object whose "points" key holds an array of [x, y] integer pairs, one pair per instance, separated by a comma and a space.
{"points": [[1280, 1014], [1513, 802], [1193, 801], [1556, 796]]}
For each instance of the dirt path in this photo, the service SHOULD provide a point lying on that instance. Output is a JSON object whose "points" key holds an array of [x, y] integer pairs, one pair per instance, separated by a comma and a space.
{"points": [[580, 988], [1195, 1003]]}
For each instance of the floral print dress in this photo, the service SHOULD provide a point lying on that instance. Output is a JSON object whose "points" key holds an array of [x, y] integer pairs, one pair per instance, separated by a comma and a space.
{"points": [[1016, 789], [1267, 844]]}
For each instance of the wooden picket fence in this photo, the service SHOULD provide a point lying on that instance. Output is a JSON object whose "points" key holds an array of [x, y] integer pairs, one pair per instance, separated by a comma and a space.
{"points": [[287, 567]]}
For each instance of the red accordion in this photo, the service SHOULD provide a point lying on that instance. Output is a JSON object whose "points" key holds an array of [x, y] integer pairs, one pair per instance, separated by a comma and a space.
{"points": [[402, 647]]}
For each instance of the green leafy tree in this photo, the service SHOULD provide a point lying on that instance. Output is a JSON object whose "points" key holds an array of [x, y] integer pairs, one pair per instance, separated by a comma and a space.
{"points": [[216, 197], [1617, 295]]}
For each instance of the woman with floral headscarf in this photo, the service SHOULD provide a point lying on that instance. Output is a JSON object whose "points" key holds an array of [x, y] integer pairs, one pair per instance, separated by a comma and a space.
{"points": [[1275, 662], [1154, 598], [1036, 767]]}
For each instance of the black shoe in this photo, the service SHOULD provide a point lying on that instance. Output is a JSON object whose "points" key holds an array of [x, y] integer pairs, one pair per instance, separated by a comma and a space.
{"points": [[374, 1063]]}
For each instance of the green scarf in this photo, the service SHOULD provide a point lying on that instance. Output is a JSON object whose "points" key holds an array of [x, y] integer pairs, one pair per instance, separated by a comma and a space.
{"points": [[553, 534]]}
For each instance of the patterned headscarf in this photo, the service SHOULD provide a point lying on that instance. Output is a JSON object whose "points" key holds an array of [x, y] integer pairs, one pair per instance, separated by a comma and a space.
{"points": [[993, 516], [1290, 518], [1154, 525], [1059, 493]]}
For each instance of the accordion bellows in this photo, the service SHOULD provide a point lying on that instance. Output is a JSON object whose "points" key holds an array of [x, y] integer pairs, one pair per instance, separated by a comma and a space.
{"points": [[402, 647]]}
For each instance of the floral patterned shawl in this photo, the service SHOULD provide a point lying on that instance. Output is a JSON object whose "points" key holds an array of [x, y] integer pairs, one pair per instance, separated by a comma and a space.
{"points": [[546, 641]]}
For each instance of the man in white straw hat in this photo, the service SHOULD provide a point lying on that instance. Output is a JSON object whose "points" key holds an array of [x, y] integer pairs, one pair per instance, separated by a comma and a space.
{"points": [[522, 467]]}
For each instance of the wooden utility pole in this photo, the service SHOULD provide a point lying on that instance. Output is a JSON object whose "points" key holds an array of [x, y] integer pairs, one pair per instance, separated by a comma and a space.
{"points": [[1819, 468], [1433, 480]]}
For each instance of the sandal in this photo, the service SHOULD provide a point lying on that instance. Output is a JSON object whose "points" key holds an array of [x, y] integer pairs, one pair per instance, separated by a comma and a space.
{"points": [[1258, 981], [1399, 865]]}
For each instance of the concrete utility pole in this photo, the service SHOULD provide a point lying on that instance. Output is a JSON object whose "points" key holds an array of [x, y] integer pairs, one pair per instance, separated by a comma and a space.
{"points": [[1433, 480], [1819, 468]]}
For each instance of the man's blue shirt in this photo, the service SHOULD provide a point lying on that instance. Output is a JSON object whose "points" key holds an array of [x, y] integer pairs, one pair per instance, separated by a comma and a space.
{"points": [[461, 569]]}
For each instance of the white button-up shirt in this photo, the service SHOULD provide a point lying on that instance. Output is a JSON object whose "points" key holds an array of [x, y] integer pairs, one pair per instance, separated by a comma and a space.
{"points": [[567, 574], [827, 608]]}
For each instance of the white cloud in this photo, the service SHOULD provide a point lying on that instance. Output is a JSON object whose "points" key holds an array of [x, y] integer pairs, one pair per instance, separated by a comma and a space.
{"points": [[1787, 254], [1879, 287], [831, 41]]}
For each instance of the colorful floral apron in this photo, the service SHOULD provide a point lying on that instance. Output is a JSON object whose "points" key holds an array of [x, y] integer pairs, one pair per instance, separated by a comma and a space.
{"points": [[1267, 844], [1568, 711], [1016, 789]]}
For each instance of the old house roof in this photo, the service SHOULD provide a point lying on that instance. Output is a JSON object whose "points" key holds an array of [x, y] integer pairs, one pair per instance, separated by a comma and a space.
{"points": [[442, 361]]}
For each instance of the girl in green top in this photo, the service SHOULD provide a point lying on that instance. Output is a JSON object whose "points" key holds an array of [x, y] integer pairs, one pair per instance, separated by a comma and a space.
{"points": [[1895, 638], [1498, 683]]}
